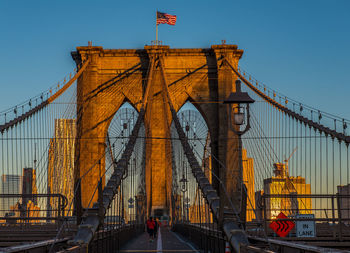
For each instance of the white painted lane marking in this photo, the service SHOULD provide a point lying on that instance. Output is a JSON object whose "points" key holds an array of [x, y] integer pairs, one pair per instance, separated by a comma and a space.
{"points": [[159, 242]]}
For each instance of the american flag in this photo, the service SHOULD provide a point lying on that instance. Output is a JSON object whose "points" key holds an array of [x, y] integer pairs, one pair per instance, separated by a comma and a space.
{"points": [[164, 18]]}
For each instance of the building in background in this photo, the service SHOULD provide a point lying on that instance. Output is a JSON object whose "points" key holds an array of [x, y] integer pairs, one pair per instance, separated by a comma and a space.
{"points": [[25, 204], [259, 205], [344, 202], [199, 210], [10, 184], [29, 198], [248, 179], [61, 162], [289, 188], [29, 188]]}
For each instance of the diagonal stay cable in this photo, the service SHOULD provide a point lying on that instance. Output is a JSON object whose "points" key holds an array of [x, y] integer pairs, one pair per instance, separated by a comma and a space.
{"points": [[231, 228], [91, 221], [297, 116], [44, 103]]}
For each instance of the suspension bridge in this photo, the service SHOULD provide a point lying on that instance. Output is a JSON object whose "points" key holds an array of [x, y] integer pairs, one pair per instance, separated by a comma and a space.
{"points": [[134, 133]]}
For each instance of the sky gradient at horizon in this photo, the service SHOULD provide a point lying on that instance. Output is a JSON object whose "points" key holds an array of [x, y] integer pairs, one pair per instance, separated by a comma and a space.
{"points": [[299, 48]]}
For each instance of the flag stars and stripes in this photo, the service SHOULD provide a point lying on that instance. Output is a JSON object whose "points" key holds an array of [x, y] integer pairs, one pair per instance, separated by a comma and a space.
{"points": [[164, 18]]}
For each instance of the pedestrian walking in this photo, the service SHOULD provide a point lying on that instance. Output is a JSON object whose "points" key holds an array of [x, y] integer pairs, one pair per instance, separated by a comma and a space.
{"points": [[156, 227], [150, 228]]}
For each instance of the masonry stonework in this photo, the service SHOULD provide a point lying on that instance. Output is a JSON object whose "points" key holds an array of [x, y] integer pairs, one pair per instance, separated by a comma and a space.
{"points": [[196, 75]]}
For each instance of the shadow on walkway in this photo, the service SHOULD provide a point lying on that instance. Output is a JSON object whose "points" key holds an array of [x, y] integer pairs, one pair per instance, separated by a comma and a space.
{"points": [[167, 241]]}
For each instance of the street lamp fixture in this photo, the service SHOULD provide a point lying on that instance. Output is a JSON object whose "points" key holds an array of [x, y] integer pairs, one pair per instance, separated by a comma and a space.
{"points": [[239, 114], [183, 182]]}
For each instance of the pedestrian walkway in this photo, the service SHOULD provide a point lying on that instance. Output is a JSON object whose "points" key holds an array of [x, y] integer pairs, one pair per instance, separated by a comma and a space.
{"points": [[166, 241]]}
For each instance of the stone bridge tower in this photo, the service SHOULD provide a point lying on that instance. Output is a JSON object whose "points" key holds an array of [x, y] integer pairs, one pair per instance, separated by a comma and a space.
{"points": [[115, 76]]}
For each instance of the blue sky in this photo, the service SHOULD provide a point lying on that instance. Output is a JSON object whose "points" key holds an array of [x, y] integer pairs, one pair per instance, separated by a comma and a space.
{"points": [[299, 48]]}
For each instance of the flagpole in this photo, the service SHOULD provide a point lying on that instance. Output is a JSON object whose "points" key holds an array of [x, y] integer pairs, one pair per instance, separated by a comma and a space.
{"points": [[156, 34], [156, 27]]}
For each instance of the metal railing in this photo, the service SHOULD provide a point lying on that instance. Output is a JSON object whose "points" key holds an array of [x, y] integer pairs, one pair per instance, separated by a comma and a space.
{"points": [[31, 209], [329, 212], [202, 236], [109, 240]]}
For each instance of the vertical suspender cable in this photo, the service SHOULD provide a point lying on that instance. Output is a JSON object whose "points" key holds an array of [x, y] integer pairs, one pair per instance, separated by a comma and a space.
{"points": [[340, 165], [310, 156], [347, 177], [315, 165], [320, 172], [298, 133], [333, 167], [327, 168]]}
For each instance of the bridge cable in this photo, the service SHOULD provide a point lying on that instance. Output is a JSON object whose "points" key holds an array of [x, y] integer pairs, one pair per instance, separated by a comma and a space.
{"points": [[49, 100], [234, 234], [299, 117], [90, 224]]}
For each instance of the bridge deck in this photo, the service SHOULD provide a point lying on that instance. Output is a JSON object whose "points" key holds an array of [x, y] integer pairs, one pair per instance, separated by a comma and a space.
{"points": [[166, 241]]}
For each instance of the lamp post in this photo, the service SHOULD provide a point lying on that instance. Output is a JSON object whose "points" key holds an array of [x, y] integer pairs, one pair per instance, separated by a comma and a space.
{"points": [[184, 187], [239, 117]]}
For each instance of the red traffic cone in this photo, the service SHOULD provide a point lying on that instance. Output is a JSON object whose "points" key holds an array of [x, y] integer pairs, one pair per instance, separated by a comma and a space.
{"points": [[227, 248]]}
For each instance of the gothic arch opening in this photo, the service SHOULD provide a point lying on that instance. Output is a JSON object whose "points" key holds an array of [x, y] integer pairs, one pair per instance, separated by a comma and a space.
{"points": [[184, 187], [133, 184]]}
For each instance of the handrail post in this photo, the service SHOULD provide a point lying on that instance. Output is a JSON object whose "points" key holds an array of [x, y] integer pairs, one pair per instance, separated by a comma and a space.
{"points": [[264, 211], [78, 209], [59, 211], [243, 214], [100, 202], [333, 217], [59, 208], [339, 216]]}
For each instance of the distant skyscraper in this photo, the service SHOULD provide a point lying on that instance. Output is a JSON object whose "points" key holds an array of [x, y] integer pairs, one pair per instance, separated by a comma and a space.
{"points": [[282, 184], [10, 184], [29, 186], [61, 160], [248, 179]]}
